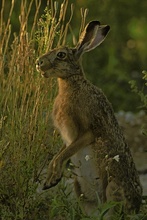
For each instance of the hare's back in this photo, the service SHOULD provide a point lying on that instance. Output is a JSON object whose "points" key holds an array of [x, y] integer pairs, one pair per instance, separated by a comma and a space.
{"points": [[96, 106]]}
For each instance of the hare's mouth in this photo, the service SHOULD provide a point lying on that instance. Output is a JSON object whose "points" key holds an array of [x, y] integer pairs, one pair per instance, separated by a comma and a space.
{"points": [[44, 74]]}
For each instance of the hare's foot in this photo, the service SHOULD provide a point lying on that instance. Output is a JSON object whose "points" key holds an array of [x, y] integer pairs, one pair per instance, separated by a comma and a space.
{"points": [[54, 174]]}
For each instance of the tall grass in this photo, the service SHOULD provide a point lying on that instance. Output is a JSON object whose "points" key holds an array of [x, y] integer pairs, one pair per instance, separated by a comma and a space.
{"points": [[26, 135]]}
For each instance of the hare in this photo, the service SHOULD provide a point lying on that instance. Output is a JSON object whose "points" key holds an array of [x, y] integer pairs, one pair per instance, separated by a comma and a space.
{"points": [[93, 141]]}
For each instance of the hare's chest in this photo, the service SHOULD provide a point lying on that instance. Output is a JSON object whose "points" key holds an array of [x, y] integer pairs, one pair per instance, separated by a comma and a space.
{"points": [[64, 121]]}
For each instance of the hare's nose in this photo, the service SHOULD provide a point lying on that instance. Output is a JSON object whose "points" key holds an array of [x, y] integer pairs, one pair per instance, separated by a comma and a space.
{"points": [[39, 62]]}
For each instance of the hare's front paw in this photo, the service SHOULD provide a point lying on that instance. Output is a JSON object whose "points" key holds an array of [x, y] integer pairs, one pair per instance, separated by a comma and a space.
{"points": [[54, 174]]}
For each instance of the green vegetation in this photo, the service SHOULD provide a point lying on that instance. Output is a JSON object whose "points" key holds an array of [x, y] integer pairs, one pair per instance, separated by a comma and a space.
{"points": [[27, 140], [142, 95]]}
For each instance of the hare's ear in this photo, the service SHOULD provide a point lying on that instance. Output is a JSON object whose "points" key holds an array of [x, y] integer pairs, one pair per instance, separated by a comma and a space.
{"points": [[93, 35]]}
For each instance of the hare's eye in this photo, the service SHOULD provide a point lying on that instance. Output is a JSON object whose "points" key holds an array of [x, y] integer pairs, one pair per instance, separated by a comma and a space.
{"points": [[61, 55]]}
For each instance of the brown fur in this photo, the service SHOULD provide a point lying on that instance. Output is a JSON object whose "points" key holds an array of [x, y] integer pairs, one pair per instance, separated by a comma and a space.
{"points": [[102, 161]]}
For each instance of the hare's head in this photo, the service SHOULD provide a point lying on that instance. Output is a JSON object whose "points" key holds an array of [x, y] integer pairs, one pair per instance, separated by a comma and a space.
{"points": [[64, 62]]}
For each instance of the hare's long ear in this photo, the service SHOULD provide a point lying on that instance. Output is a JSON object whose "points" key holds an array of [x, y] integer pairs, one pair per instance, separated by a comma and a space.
{"points": [[93, 35]]}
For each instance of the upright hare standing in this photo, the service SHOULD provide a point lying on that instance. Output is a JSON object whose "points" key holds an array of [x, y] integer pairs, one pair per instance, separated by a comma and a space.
{"points": [[103, 165]]}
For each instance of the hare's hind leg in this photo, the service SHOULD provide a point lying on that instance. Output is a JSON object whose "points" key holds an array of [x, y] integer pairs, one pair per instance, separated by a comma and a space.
{"points": [[115, 193], [89, 205]]}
